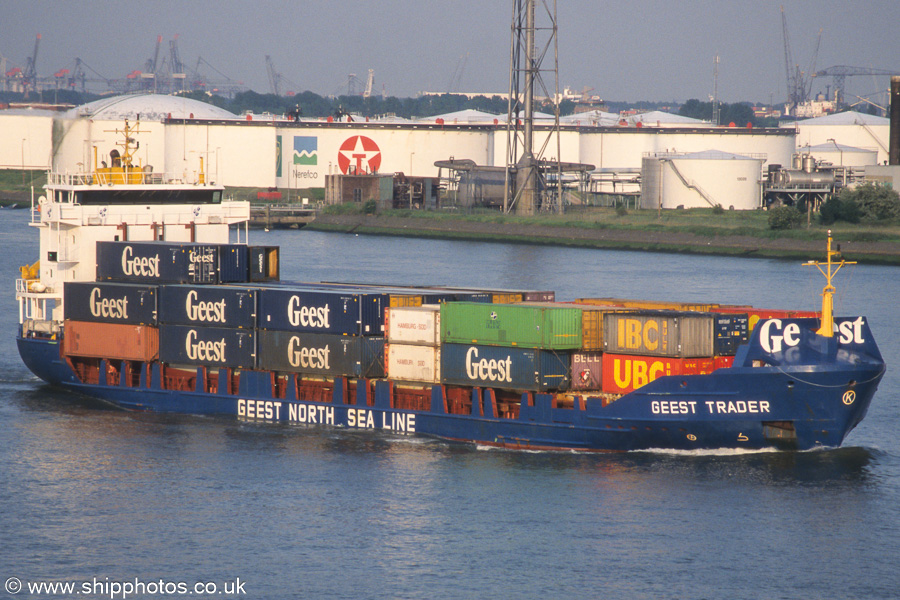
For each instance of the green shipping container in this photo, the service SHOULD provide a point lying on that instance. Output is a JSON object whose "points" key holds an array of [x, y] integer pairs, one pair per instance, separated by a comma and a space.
{"points": [[517, 325]]}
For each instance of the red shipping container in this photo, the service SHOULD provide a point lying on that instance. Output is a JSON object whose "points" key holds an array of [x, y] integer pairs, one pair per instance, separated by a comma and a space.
{"points": [[624, 373], [724, 362], [111, 340]]}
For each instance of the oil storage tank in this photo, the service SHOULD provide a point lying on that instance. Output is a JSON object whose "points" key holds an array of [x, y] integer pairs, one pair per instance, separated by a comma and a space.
{"points": [[701, 179]]}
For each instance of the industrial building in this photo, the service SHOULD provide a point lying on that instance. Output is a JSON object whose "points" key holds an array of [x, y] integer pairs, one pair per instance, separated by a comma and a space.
{"points": [[188, 138]]}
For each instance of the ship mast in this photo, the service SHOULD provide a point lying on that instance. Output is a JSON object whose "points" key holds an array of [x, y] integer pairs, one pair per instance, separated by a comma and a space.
{"points": [[827, 328]]}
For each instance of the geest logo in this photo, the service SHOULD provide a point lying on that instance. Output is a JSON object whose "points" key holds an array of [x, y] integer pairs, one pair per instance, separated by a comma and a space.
{"points": [[487, 370], [774, 336], [310, 358], [140, 266], [198, 310], [108, 308], [305, 316]]}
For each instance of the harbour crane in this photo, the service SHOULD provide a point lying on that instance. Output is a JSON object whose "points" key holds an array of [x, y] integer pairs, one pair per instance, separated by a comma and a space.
{"points": [[274, 76], [30, 74], [839, 74], [799, 82], [370, 81]]}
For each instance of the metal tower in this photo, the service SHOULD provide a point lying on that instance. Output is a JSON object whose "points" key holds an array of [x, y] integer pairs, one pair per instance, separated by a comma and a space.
{"points": [[533, 38]]}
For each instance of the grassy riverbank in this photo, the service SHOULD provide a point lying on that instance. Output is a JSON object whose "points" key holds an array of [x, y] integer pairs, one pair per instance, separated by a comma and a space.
{"points": [[701, 231]]}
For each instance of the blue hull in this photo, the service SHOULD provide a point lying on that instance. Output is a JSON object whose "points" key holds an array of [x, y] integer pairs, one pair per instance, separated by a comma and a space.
{"points": [[799, 406]]}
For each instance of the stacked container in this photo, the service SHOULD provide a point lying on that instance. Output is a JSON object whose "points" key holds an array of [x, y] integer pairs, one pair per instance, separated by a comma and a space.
{"points": [[327, 332], [510, 346], [413, 349]]}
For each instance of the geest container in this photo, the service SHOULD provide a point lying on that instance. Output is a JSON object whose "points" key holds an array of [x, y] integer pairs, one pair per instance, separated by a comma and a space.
{"points": [[106, 302], [623, 373], [404, 362], [659, 333], [526, 369], [587, 370], [321, 354], [157, 262], [307, 310], [111, 340], [210, 346], [208, 305], [233, 262], [511, 325], [414, 325]]}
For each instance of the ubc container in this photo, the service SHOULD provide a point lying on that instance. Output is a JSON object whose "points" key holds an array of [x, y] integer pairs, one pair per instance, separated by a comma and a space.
{"points": [[404, 362], [511, 325], [526, 369], [321, 354], [157, 262], [106, 302], [209, 346], [321, 311], [414, 325], [659, 333], [110, 340], [730, 331], [264, 264], [208, 305], [624, 373], [587, 370]]}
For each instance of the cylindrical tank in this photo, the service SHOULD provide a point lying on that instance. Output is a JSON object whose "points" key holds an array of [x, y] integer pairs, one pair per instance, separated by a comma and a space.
{"points": [[701, 179], [793, 178], [809, 163]]}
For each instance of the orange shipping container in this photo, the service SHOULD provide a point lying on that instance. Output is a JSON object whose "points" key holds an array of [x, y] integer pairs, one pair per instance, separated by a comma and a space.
{"points": [[111, 340], [624, 373]]}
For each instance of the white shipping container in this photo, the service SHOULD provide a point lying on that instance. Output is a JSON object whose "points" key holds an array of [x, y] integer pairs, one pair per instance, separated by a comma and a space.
{"points": [[414, 325], [404, 362]]}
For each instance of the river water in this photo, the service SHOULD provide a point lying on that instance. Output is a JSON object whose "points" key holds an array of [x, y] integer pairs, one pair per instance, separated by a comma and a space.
{"points": [[104, 499]]}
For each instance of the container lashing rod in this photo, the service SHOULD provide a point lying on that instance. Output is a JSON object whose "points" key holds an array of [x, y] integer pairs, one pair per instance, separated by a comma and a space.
{"points": [[827, 328]]}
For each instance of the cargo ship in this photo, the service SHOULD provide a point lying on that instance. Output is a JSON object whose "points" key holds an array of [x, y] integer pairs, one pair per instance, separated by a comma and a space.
{"points": [[148, 295]]}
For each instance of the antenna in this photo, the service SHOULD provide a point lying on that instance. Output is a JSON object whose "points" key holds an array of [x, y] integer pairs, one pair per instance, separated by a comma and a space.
{"points": [[827, 328]]}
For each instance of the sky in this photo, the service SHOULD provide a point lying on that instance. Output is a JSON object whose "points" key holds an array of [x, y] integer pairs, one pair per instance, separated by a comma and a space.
{"points": [[658, 50]]}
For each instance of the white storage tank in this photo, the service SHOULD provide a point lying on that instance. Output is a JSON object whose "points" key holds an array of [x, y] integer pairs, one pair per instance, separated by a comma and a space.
{"points": [[701, 179], [842, 155]]}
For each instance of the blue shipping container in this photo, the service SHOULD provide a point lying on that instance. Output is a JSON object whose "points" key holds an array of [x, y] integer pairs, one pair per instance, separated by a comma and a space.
{"points": [[208, 305], [210, 346], [157, 262], [321, 354], [729, 332], [233, 263], [302, 309], [104, 302], [524, 369]]}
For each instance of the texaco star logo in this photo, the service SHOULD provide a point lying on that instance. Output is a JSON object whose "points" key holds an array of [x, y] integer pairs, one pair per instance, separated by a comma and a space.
{"points": [[359, 154]]}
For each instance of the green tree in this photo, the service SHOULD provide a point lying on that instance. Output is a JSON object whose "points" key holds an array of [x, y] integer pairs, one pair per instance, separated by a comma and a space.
{"points": [[875, 202], [784, 217]]}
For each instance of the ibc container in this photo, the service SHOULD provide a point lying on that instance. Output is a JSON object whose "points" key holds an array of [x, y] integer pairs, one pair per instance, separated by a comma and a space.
{"points": [[659, 333], [511, 325], [404, 362], [414, 325], [587, 370], [264, 264], [208, 305], [625, 373], [730, 331], [210, 346], [157, 262], [321, 354], [307, 310], [111, 340], [648, 304], [526, 369], [107, 302]]}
